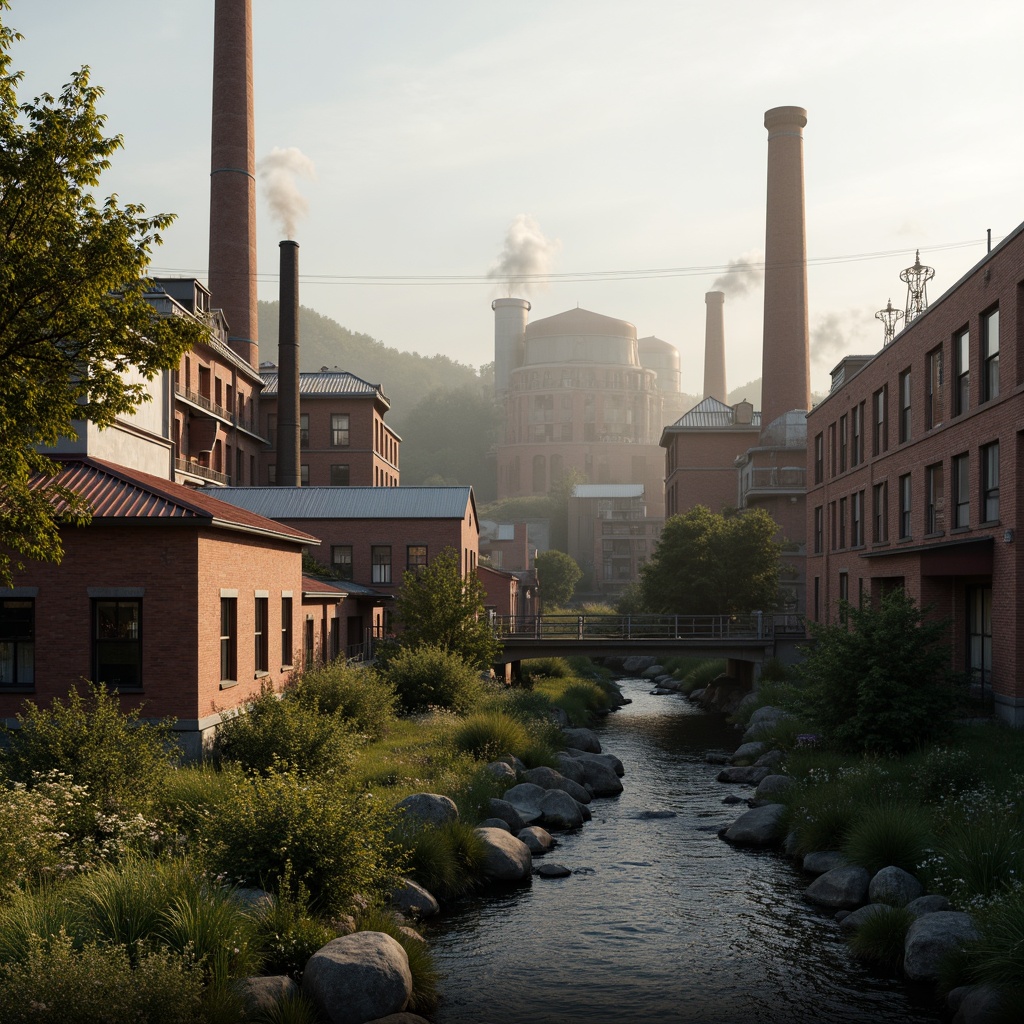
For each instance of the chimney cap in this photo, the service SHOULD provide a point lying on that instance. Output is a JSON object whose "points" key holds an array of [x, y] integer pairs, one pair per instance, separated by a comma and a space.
{"points": [[777, 117], [520, 303], [718, 297]]}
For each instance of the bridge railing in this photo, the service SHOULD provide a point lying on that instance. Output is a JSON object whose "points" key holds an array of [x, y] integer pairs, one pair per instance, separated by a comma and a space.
{"points": [[756, 626]]}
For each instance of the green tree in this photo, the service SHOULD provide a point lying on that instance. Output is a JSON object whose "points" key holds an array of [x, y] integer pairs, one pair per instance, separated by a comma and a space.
{"points": [[73, 320], [438, 607], [880, 682], [710, 564], [558, 574]]}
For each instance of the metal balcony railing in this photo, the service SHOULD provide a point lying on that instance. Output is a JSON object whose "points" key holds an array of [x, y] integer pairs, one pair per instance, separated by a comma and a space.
{"points": [[783, 478], [185, 466]]}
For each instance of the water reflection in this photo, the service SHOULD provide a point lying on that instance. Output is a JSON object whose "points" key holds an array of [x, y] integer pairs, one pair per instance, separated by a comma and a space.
{"points": [[661, 921]]}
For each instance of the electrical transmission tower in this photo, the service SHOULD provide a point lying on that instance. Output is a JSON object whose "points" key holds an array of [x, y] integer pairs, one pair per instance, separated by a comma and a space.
{"points": [[890, 318], [916, 279]]}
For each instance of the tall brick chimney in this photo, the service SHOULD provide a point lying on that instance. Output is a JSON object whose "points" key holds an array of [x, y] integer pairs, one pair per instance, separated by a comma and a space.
{"points": [[289, 469], [785, 359], [232, 269], [714, 347]]}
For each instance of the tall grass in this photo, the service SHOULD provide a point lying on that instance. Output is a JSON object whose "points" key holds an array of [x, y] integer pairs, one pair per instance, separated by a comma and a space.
{"points": [[488, 735], [889, 832], [447, 860], [880, 940], [701, 674]]}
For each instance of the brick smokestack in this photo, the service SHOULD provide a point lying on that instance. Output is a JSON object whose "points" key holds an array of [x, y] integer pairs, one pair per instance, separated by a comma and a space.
{"points": [[785, 359], [714, 347], [233, 177], [289, 470]]}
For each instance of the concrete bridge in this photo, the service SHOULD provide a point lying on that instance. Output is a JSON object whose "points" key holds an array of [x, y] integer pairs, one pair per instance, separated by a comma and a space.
{"points": [[745, 642]]}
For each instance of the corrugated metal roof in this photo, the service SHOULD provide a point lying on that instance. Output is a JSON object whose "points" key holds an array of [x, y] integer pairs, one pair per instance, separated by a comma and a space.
{"points": [[608, 491], [325, 382], [712, 413], [352, 502], [118, 493], [334, 587], [313, 586]]}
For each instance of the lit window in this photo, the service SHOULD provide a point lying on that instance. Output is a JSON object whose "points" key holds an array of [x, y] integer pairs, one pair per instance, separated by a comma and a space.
{"points": [[416, 557]]}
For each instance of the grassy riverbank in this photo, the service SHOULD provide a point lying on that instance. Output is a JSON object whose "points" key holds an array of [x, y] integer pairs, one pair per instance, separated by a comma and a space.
{"points": [[120, 868]]}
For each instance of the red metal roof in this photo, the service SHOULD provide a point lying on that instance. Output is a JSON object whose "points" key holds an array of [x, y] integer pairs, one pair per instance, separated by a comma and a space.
{"points": [[118, 493]]}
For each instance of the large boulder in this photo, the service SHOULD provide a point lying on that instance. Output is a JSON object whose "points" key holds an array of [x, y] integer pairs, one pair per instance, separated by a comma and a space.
{"points": [[507, 859], [771, 787], [358, 978], [582, 739], [636, 664], [570, 767], [508, 814], [820, 861], [930, 938], [599, 778], [933, 903], [501, 771], [429, 808], [536, 838], [748, 775], [652, 672], [548, 778], [841, 888], [894, 886], [553, 808], [763, 721], [746, 753], [757, 827], [608, 760], [262, 995], [412, 900], [976, 1004]]}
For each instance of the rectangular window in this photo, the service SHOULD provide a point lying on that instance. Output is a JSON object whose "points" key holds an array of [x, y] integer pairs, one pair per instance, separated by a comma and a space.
{"points": [[832, 463], [933, 403], [339, 475], [819, 459], [228, 639], [842, 444], [842, 522], [272, 474], [881, 411], [339, 429], [857, 519], [832, 525], [341, 561], [962, 490], [935, 486], [819, 529], [990, 355], [857, 434], [17, 642], [962, 352], [415, 557], [380, 562], [286, 630], [905, 495], [261, 635], [880, 511], [905, 406], [990, 482], [303, 430], [308, 644], [117, 643], [304, 476]]}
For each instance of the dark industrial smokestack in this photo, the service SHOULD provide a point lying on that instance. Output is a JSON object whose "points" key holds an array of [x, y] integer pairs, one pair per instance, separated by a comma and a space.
{"points": [[232, 177], [714, 347], [288, 465], [785, 359]]}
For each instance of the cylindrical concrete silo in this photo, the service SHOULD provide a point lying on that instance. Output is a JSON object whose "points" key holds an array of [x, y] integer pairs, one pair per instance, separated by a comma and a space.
{"points": [[663, 358], [714, 347], [509, 339]]}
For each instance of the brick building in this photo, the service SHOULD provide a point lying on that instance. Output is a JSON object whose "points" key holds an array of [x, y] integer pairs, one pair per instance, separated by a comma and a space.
{"points": [[916, 467]]}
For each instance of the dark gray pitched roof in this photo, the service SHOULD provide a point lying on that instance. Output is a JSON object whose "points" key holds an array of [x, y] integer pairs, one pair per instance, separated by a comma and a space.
{"points": [[712, 413], [326, 383], [352, 502]]}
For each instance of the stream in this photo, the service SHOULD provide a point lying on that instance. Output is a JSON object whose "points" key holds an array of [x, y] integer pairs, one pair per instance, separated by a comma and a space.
{"points": [[661, 920]]}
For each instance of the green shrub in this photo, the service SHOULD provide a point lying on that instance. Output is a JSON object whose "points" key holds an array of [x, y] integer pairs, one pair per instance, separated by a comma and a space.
{"points": [[997, 958], [942, 771], [299, 1009], [189, 793], [87, 736], [774, 671], [287, 934], [889, 832], [431, 677], [270, 731], [425, 976], [551, 668], [447, 860], [490, 734], [361, 696], [701, 674], [880, 939]]}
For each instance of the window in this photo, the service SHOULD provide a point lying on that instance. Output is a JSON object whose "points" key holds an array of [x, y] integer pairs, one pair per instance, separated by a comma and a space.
{"points": [[933, 403], [17, 642], [416, 557], [832, 525], [961, 490], [304, 476], [905, 495], [303, 430], [962, 354], [228, 639], [904, 406], [880, 512], [832, 464], [857, 519], [117, 643], [856, 434], [339, 475], [339, 429], [308, 644], [990, 482], [842, 444], [272, 474], [286, 630], [380, 561], [341, 561], [935, 513], [842, 522], [819, 459], [881, 403], [990, 355], [819, 529], [260, 633]]}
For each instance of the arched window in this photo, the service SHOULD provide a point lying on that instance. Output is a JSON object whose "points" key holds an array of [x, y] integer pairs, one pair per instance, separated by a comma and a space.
{"points": [[539, 474]]}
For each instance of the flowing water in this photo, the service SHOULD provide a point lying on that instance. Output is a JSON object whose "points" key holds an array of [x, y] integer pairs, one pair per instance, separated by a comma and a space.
{"points": [[661, 920]]}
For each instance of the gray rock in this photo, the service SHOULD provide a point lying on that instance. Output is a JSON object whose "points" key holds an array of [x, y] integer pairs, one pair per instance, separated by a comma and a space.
{"points": [[763, 721], [251, 900], [582, 739], [536, 838], [507, 859], [411, 933], [570, 767], [823, 860], [260, 996], [791, 844], [660, 691], [976, 1004], [653, 671], [513, 762], [841, 888], [561, 811], [358, 978], [770, 759], [716, 757], [852, 920], [548, 778], [757, 827], [894, 886], [930, 904], [413, 900], [636, 663], [560, 717], [508, 814], [496, 823], [599, 779], [553, 871], [501, 771], [732, 798], [749, 775], [698, 695], [585, 811], [608, 760], [525, 798], [773, 786], [747, 752], [930, 938], [750, 698], [429, 808]]}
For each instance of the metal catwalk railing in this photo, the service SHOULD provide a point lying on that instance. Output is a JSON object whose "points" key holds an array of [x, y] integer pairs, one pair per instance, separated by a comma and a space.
{"points": [[755, 626]]}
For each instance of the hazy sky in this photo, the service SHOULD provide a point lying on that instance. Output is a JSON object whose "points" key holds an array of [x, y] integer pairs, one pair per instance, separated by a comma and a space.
{"points": [[631, 132]]}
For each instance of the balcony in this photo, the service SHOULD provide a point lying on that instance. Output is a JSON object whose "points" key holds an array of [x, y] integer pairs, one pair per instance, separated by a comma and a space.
{"points": [[761, 480], [195, 469], [202, 402]]}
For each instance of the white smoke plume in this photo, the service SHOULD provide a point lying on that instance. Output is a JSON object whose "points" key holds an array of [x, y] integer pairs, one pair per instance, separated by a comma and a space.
{"points": [[278, 171], [526, 252], [834, 335], [742, 275]]}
